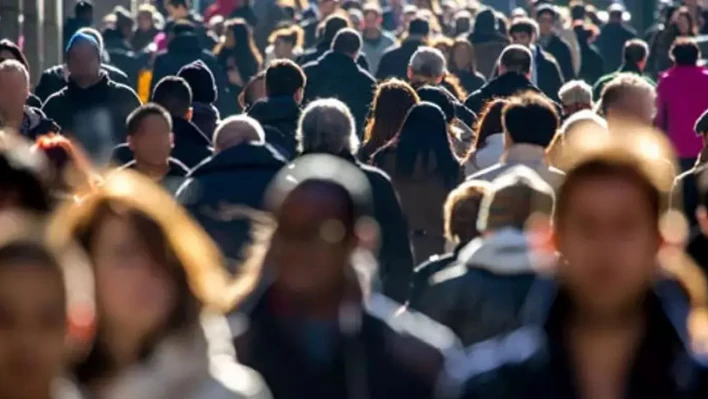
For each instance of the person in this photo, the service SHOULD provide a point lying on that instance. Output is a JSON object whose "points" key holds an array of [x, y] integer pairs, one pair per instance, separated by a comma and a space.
{"points": [[487, 41], [612, 315], [180, 11], [613, 37], [628, 97], [11, 51], [24, 178], [495, 270], [285, 43], [146, 31], [237, 175], [238, 55], [83, 17], [575, 95], [394, 62], [393, 100], [26, 121], [695, 201], [253, 91], [682, 25], [592, 65], [677, 109], [545, 71], [337, 75], [460, 212], [150, 139], [376, 40], [323, 10], [92, 108], [279, 112], [550, 41], [326, 127], [463, 64], [688, 190], [205, 95], [488, 146], [329, 29], [424, 170], [634, 60], [70, 173], [157, 273], [530, 123], [119, 51], [318, 331], [55, 78]]}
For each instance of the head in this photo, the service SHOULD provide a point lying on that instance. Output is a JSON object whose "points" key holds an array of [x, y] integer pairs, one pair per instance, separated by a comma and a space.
{"points": [[636, 53], [547, 16], [174, 94], [490, 122], [83, 57], [83, 10], [515, 58], [462, 22], [524, 31], [253, 91], [575, 96], [24, 178], [236, 130], [285, 41], [372, 16], [701, 128], [530, 119], [392, 101], [284, 78], [683, 22], [11, 51], [201, 81], [461, 211], [330, 27], [149, 130], [427, 65], [577, 11], [327, 7], [145, 18], [462, 57], [69, 168], [124, 22], [178, 9], [486, 22], [347, 41], [14, 89], [616, 13], [444, 44], [685, 52], [418, 28], [239, 37], [629, 96], [327, 126]]}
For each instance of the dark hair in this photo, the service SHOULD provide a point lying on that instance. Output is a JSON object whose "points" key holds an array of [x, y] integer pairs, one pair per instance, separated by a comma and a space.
{"points": [[685, 12], [82, 8], [284, 78], [23, 178], [547, 9], [244, 98], [516, 58], [530, 119], [485, 23], [135, 119], [17, 54], [685, 52], [524, 25], [174, 94], [330, 27], [347, 41], [635, 51], [179, 3], [577, 10], [27, 251], [246, 54]]}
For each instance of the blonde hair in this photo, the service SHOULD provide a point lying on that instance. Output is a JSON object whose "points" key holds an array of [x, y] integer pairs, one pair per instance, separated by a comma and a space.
{"points": [[461, 210]]}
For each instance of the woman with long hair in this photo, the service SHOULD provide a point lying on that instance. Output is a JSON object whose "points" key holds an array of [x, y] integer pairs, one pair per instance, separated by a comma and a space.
{"points": [[392, 101], [238, 55], [161, 288], [424, 169], [463, 64], [489, 143]]}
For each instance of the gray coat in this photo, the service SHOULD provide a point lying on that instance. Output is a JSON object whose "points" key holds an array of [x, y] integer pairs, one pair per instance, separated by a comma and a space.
{"points": [[529, 155]]}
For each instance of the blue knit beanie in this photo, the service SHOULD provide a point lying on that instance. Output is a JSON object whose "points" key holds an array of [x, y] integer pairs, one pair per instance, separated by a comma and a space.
{"points": [[80, 37]]}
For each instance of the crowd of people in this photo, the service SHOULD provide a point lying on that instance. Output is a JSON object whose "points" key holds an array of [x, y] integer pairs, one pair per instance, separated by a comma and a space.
{"points": [[357, 199]]}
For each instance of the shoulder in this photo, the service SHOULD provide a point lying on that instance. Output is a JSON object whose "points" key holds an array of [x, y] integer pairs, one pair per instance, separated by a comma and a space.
{"points": [[449, 274], [113, 71], [55, 98], [53, 71], [487, 174], [234, 381], [122, 89], [375, 174]]}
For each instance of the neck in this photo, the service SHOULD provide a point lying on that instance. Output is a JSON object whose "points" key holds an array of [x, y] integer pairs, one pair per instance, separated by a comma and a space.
{"points": [[631, 316], [86, 81], [372, 33], [155, 172]]}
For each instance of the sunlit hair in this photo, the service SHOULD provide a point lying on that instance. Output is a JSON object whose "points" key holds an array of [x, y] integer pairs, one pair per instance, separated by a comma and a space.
{"points": [[462, 209], [327, 125], [685, 13], [12, 48], [245, 98], [291, 34], [15, 66], [245, 43], [71, 167]]}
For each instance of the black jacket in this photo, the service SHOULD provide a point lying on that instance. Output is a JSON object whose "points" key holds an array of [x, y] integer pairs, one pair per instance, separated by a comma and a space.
{"points": [[611, 42], [470, 81], [592, 66], [279, 117], [500, 87], [423, 272], [697, 248], [95, 116], [533, 362], [337, 75], [53, 80], [394, 62], [36, 124], [317, 52], [173, 179], [206, 117], [235, 177], [549, 75], [384, 355], [560, 50]]}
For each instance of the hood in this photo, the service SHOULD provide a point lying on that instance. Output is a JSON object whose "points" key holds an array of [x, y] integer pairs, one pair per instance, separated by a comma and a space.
{"points": [[271, 111], [187, 131], [240, 157], [205, 116], [507, 85], [185, 44], [505, 252]]}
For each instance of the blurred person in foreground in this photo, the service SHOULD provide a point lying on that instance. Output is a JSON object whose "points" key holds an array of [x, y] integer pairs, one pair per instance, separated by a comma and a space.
{"points": [[317, 331], [497, 269], [530, 123], [220, 190], [688, 191], [634, 60], [623, 306], [161, 291], [628, 97], [11, 51], [575, 96], [327, 127]]}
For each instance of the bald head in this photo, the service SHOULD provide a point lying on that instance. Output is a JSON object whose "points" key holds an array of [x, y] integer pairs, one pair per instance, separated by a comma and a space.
{"points": [[236, 130]]}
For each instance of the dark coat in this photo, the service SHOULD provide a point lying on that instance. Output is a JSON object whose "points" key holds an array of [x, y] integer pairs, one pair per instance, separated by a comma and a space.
{"points": [[95, 116], [53, 79], [592, 66], [550, 78], [487, 48], [686, 189], [533, 362], [423, 272], [337, 75], [279, 117], [316, 53], [71, 26], [36, 124], [394, 62], [142, 39], [205, 117], [235, 177], [470, 81], [500, 87], [174, 178], [560, 50], [611, 42], [386, 356], [33, 101], [200, 32]]}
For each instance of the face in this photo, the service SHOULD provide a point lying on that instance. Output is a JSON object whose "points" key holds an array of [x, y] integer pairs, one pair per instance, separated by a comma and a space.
{"points": [[545, 23], [144, 21], [32, 329], [310, 249], [683, 24], [609, 239], [522, 38], [13, 93], [372, 21], [152, 143], [83, 61], [282, 48], [135, 294], [326, 7], [461, 56]]}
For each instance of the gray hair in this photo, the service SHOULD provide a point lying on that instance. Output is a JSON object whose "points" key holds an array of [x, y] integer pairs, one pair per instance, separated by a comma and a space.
{"points": [[236, 130], [575, 92], [15, 66], [428, 62], [327, 125]]}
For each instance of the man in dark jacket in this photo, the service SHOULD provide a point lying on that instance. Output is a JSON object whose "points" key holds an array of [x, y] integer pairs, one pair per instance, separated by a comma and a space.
{"points": [[634, 60], [279, 112], [235, 177], [495, 270], [332, 26], [83, 17], [204, 95], [612, 38], [122, 55], [316, 332], [91, 108], [337, 75], [394, 62], [547, 17]]}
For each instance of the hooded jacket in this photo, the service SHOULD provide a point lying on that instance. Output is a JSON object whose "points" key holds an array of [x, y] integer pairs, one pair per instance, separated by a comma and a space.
{"points": [[57, 77], [279, 117], [530, 155]]}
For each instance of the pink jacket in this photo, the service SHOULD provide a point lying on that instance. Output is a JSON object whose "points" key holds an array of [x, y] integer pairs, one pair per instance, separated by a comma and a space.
{"points": [[682, 96]]}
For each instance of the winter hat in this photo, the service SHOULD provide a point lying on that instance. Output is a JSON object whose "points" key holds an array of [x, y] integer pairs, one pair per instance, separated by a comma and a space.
{"points": [[513, 198], [83, 38], [201, 80]]}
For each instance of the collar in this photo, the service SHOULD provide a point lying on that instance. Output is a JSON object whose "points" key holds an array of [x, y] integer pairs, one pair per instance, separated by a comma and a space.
{"points": [[525, 154]]}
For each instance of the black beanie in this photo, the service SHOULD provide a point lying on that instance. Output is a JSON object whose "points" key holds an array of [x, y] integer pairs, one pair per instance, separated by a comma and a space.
{"points": [[201, 80]]}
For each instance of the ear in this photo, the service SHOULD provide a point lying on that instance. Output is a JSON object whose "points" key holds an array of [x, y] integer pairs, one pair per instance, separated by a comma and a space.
{"points": [[409, 73], [299, 95], [439, 79], [172, 140], [702, 218], [189, 114], [131, 143]]}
